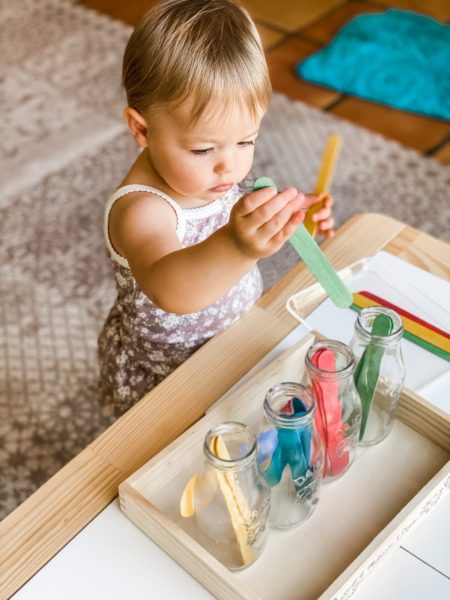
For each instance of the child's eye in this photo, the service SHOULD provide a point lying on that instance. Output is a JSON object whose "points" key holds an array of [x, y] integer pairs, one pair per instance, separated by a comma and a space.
{"points": [[202, 152], [247, 143]]}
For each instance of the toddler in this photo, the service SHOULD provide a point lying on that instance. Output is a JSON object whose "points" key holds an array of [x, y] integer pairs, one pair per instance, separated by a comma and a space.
{"points": [[183, 241]]}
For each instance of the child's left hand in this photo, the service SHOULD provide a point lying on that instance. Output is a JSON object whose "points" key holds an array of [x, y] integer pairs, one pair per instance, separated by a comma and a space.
{"points": [[323, 217]]}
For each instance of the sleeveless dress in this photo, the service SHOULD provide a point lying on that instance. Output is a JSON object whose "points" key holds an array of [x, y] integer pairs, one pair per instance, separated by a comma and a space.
{"points": [[140, 344]]}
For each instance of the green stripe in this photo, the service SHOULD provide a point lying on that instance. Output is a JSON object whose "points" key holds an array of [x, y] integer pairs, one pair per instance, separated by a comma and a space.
{"points": [[418, 341]]}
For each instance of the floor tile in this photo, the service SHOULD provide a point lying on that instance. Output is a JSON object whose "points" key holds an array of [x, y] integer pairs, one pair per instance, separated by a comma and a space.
{"points": [[269, 37], [412, 130], [282, 61], [289, 15], [129, 12], [439, 9], [323, 30], [443, 154]]}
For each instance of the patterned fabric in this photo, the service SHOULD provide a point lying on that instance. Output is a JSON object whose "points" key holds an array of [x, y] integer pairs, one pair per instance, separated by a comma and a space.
{"points": [[140, 343]]}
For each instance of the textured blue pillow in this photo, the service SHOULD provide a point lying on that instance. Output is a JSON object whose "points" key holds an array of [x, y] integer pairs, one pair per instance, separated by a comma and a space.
{"points": [[398, 58]]}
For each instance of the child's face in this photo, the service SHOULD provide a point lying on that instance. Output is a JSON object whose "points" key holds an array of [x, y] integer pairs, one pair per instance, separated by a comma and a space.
{"points": [[204, 159]]}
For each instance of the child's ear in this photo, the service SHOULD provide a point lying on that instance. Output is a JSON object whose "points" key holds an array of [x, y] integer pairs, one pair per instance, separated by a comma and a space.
{"points": [[137, 125]]}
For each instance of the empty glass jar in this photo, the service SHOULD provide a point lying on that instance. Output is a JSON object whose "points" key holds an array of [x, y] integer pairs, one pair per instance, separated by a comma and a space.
{"points": [[330, 365], [290, 453], [230, 499], [380, 371]]}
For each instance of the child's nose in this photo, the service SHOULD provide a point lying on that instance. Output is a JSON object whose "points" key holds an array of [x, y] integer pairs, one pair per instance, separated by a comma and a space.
{"points": [[226, 163]]}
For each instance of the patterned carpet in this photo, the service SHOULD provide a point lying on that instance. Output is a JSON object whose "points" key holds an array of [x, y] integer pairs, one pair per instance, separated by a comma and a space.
{"points": [[64, 147]]}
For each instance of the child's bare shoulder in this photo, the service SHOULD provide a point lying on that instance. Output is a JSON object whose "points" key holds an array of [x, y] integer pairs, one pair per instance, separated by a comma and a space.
{"points": [[143, 205], [141, 216]]}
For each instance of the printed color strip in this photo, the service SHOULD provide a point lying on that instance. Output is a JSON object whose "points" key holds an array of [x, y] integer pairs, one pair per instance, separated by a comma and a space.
{"points": [[416, 330]]}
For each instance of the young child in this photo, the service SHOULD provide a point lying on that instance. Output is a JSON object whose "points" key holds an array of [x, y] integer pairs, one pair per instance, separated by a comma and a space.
{"points": [[183, 240]]}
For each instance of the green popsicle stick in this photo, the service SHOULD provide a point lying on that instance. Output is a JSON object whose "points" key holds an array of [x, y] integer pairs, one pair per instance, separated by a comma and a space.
{"points": [[315, 259], [263, 182], [368, 370]]}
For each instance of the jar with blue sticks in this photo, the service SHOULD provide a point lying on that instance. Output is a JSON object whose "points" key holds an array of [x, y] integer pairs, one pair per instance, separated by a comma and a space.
{"points": [[290, 454]]}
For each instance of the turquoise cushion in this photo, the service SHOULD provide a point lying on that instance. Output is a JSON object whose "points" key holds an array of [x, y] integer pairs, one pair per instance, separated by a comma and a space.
{"points": [[398, 58]]}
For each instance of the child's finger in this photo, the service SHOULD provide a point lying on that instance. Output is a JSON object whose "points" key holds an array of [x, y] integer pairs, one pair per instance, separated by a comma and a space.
{"points": [[271, 226], [267, 211], [328, 201], [326, 224], [311, 199], [322, 214], [283, 234], [250, 202], [329, 233]]}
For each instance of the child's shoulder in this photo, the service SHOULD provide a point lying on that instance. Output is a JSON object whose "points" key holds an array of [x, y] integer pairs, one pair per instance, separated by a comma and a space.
{"points": [[140, 200], [140, 214]]}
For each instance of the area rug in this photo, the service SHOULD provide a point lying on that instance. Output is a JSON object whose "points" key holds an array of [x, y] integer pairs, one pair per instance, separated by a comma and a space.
{"points": [[398, 58], [65, 148]]}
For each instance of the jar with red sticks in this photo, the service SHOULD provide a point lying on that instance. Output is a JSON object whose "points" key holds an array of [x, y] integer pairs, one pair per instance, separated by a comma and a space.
{"points": [[330, 365]]}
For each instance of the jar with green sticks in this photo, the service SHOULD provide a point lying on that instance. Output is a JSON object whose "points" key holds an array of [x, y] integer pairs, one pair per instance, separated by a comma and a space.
{"points": [[380, 370]]}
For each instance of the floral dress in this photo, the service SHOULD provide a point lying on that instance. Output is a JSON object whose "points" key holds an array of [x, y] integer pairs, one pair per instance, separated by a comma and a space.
{"points": [[140, 344]]}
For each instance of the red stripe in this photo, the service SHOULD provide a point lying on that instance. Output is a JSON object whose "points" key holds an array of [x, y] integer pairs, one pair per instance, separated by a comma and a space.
{"points": [[405, 313]]}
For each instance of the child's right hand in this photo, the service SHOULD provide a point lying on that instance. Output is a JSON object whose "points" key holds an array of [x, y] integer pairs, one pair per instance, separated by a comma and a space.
{"points": [[261, 221]]}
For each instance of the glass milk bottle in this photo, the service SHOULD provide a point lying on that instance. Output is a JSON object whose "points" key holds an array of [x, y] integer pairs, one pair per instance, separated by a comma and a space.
{"points": [[290, 453], [380, 371], [230, 499], [329, 366]]}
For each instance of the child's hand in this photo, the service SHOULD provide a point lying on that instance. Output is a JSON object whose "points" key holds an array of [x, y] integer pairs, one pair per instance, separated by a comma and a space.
{"points": [[323, 217], [262, 221]]}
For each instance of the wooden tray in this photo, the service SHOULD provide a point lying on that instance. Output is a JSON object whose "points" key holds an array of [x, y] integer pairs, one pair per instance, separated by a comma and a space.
{"points": [[356, 523]]}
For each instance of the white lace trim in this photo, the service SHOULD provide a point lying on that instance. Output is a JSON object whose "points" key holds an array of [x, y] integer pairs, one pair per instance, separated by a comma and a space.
{"points": [[128, 189]]}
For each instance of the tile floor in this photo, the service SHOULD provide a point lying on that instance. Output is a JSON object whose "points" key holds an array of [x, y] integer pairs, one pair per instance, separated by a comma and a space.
{"points": [[294, 29]]}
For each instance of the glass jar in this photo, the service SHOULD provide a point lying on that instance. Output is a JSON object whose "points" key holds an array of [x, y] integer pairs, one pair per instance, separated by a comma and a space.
{"points": [[380, 371], [329, 366], [290, 453], [231, 499]]}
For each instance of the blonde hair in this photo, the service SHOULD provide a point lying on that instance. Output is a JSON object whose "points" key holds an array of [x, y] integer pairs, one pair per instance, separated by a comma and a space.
{"points": [[196, 49]]}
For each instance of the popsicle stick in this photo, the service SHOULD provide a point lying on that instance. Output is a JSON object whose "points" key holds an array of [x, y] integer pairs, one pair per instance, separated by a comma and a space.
{"points": [[187, 503], [368, 369], [198, 493], [235, 502], [329, 159], [315, 259], [320, 267], [328, 395]]}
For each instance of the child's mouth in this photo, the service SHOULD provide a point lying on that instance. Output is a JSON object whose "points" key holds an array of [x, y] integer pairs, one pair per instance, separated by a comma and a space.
{"points": [[222, 188]]}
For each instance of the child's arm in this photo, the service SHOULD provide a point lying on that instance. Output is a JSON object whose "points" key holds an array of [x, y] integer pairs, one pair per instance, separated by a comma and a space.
{"points": [[184, 280]]}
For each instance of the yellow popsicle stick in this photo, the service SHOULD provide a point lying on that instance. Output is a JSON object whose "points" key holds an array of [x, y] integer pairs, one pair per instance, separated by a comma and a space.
{"points": [[187, 503], [326, 171], [198, 493], [235, 501]]}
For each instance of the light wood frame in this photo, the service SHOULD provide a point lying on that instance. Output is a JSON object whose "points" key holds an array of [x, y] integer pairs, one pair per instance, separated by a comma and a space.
{"points": [[137, 492]]}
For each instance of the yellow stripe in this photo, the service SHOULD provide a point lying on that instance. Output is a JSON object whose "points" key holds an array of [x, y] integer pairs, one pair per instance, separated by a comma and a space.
{"points": [[417, 329]]}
